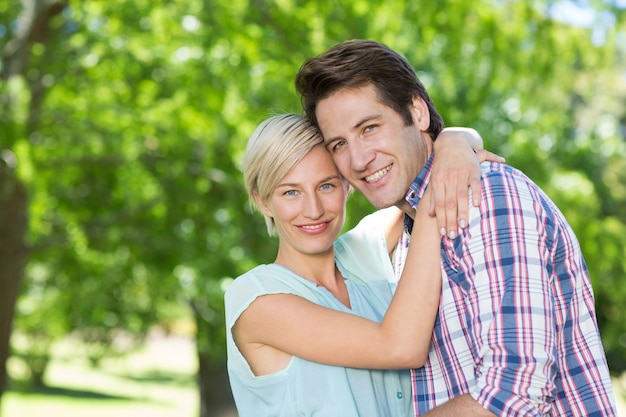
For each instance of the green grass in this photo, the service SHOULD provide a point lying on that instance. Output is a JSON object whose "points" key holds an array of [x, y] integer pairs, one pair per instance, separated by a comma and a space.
{"points": [[158, 381]]}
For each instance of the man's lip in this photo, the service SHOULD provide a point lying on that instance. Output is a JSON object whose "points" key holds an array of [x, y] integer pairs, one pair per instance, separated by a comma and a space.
{"points": [[377, 175]]}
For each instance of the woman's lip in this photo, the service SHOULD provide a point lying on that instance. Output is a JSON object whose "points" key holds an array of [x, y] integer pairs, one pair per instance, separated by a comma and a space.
{"points": [[314, 228]]}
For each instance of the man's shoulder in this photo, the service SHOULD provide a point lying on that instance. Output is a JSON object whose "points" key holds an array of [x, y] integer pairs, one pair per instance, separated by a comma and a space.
{"points": [[497, 168], [510, 192], [497, 172]]}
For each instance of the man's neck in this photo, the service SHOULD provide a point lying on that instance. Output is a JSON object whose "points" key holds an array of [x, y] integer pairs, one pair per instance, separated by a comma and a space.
{"points": [[406, 208]]}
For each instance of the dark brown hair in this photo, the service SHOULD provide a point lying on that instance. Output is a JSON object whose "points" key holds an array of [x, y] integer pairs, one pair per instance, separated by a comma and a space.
{"points": [[357, 63]]}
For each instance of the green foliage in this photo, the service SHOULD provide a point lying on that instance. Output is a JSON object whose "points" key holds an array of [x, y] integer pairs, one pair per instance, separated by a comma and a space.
{"points": [[132, 155]]}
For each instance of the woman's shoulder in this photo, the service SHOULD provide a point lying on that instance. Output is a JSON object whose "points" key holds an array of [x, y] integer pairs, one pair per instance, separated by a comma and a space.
{"points": [[363, 251], [264, 280], [368, 232]]}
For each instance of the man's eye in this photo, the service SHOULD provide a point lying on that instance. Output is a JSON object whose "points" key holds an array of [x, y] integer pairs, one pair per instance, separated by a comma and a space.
{"points": [[327, 186], [369, 128], [338, 145]]}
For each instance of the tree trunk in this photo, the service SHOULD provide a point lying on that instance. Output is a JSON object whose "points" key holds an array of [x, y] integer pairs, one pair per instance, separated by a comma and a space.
{"points": [[13, 255], [34, 21], [216, 399]]}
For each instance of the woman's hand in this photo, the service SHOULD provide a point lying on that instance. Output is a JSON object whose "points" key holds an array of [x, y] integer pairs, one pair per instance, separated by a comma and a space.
{"points": [[455, 177]]}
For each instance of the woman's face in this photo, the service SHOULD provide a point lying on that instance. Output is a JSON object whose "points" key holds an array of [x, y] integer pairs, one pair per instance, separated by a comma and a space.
{"points": [[308, 205]]}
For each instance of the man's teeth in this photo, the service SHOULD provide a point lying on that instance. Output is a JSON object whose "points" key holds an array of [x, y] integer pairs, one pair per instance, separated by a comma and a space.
{"points": [[377, 175]]}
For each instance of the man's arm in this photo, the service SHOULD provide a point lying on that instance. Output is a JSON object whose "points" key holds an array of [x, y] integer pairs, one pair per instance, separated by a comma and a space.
{"points": [[512, 321]]}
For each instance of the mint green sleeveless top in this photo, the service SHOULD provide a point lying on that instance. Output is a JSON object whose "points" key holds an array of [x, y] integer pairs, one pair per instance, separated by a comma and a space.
{"points": [[306, 388]]}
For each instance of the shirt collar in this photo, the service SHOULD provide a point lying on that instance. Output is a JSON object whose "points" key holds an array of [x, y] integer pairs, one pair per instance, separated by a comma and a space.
{"points": [[420, 183], [417, 190]]}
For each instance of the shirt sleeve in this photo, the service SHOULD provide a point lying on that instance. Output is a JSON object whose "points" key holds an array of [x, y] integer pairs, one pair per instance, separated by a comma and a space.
{"points": [[505, 259], [362, 252], [262, 280]]}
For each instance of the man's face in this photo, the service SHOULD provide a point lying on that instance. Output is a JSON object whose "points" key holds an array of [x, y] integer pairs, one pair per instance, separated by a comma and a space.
{"points": [[371, 146]]}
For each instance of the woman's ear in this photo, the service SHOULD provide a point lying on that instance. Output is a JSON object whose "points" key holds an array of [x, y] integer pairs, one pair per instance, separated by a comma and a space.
{"points": [[421, 114], [262, 206]]}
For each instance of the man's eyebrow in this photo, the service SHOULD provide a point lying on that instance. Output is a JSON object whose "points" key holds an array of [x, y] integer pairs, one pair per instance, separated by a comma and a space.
{"points": [[365, 119], [358, 124]]}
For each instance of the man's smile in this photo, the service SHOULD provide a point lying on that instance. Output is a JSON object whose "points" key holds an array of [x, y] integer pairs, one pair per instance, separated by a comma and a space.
{"points": [[377, 175]]}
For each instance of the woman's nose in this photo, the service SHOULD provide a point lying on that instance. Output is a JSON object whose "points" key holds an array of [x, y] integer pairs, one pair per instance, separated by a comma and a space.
{"points": [[313, 208]]}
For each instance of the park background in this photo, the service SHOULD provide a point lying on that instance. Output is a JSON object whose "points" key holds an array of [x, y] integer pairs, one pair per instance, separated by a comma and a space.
{"points": [[122, 126]]}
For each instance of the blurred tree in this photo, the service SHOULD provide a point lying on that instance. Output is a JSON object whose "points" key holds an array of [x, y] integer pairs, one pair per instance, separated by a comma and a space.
{"points": [[32, 27], [124, 124]]}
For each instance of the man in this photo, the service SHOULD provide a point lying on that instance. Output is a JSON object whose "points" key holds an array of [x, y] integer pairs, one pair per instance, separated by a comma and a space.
{"points": [[516, 333]]}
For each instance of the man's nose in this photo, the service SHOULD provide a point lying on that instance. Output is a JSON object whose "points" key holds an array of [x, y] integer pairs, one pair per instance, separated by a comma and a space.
{"points": [[360, 155]]}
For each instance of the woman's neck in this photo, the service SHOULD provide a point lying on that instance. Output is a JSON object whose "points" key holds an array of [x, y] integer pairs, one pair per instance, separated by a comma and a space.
{"points": [[319, 269]]}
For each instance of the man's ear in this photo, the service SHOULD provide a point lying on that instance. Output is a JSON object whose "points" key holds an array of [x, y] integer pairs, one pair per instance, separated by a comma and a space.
{"points": [[262, 206], [421, 114]]}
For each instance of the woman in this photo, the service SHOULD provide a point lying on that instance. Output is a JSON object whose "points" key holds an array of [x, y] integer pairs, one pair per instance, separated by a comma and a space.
{"points": [[317, 332]]}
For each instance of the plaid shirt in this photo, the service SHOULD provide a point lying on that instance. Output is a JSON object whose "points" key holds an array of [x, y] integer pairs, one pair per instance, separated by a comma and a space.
{"points": [[516, 327]]}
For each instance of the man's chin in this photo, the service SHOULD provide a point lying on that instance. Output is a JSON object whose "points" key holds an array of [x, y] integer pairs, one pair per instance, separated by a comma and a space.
{"points": [[379, 200], [381, 204]]}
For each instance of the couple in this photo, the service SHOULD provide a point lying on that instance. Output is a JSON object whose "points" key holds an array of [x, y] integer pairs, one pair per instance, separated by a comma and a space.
{"points": [[494, 318]]}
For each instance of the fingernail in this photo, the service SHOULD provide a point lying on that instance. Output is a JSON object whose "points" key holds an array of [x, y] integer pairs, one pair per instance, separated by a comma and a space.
{"points": [[452, 234], [442, 231], [462, 223], [476, 203]]}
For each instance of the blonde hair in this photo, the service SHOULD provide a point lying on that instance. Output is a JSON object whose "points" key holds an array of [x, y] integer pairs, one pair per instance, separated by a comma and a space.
{"points": [[274, 148]]}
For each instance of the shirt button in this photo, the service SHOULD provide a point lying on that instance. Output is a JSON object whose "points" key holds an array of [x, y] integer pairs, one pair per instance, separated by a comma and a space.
{"points": [[399, 395]]}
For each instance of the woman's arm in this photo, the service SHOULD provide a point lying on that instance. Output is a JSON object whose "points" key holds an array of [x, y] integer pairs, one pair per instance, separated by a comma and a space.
{"points": [[456, 177], [291, 325]]}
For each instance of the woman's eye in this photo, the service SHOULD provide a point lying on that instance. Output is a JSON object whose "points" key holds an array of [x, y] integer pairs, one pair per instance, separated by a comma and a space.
{"points": [[290, 193], [327, 186]]}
